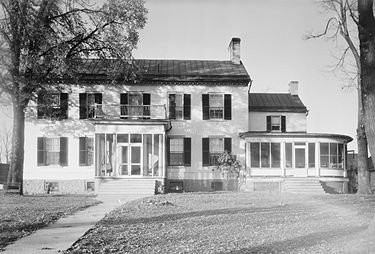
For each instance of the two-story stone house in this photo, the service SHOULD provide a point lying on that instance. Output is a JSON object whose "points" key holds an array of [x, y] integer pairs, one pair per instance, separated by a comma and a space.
{"points": [[165, 130]]}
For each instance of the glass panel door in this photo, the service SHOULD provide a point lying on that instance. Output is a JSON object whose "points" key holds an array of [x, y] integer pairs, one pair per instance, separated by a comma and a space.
{"points": [[300, 158]]}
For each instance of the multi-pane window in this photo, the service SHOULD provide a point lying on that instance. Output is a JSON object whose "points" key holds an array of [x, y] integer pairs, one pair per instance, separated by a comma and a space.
{"points": [[311, 148], [331, 155], [86, 151], [52, 151], [179, 106], [90, 105], [265, 155], [53, 106], [288, 155], [213, 147], [276, 123], [179, 151], [217, 106]]}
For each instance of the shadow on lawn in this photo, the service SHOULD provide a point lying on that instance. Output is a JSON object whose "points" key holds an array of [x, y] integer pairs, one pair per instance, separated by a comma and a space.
{"points": [[304, 241], [204, 213]]}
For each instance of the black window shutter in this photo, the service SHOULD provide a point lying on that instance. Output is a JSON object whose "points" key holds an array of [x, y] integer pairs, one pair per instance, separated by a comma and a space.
{"points": [[124, 101], [83, 106], [98, 98], [82, 151], [205, 151], [63, 151], [283, 124], [41, 108], [146, 99], [63, 106], [269, 123], [41, 160], [172, 106], [187, 106], [206, 106], [187, 151], [227, 106], [168, 150], [228, 144]]}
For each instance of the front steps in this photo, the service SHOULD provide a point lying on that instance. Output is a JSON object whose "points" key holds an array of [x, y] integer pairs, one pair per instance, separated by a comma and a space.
{"points": [[126, 187], [303, 186]]}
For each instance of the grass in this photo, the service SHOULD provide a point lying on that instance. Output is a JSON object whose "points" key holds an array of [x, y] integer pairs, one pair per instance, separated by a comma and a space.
{"points": [[231, 223], [22, 215]]}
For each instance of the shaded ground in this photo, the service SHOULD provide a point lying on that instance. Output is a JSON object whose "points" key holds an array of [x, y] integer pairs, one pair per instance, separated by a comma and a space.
{"points": [[22, 215], [235, 223]]}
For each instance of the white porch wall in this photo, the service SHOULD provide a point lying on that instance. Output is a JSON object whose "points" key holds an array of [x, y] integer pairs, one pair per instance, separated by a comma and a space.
{"points": [[196, 128], [294, 121]]}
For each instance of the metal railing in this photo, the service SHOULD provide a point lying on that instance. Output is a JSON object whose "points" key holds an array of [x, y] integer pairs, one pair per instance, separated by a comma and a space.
{"points": [[121, 111]]}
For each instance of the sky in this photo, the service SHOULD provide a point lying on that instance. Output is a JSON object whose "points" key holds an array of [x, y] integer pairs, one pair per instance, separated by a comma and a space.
{"points": [[273, 50]]}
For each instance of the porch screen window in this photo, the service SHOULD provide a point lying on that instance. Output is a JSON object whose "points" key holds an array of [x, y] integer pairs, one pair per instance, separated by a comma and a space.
{"points": [[179, 151], [217, 106], [90, 105], [288, 155], [52, 151], [331, 155], [212, 148], [311, 155], [265, 155], [53, 106], [180, 106], [276, 123], [86, 151]]}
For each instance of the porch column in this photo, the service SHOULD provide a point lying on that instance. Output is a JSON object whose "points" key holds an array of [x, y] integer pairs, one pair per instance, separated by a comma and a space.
{"points": [[282, 159], [164, 158], [344, 161]]}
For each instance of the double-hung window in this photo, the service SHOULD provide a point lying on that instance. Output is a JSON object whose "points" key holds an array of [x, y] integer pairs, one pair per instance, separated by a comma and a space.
{"points": [[217, 106], [90, 105], [276, 123], [53, 106], [179, 151], [213, 147], [86, 151], [179, 106], [52, 151]]}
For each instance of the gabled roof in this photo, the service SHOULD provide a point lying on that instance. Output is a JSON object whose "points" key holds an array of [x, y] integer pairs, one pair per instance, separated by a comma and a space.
{"points": [[276, 102], [172, 70]]}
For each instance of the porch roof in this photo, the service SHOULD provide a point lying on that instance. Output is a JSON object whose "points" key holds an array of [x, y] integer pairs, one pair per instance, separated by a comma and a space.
{"points": [[253, 134]]}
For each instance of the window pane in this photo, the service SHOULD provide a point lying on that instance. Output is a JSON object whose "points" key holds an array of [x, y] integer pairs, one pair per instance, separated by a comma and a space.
{"points": [[216, 145], [311, 155], [53, 151], [136, 170], [288, 155], [176, 156], [275, 122], [122, 138], [135, 154], [254, 150], [324, 156], [216, 103], [147, 154], [300, 157], [340, 160], [177, 145], [275, 155], [265, 155], [333, 155], [124, 154], [156, 156], [179, 107], [135, 138]]}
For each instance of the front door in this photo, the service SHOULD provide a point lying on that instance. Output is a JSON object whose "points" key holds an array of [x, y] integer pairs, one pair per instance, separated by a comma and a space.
{"points": [[130, 157], [300, 159]]}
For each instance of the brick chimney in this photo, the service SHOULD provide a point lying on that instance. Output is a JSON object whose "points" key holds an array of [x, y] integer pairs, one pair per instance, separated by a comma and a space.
{"points": [[293, 87], [234, 50]]}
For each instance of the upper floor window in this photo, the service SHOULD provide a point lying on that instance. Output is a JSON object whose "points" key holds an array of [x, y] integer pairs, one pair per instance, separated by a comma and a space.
{"points": [[179, 151], [212, 148], [135, 105], [52, 151], [276, 123], [90, 105], [179, 106], [217, 106], [53, 106]]}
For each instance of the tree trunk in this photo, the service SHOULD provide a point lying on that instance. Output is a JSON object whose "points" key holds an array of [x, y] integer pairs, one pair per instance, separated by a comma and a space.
{"points": [[15, 174], [366, 30]]}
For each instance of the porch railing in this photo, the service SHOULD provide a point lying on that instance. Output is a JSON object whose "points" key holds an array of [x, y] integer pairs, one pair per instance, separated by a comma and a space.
{"points": [[121, 111]]}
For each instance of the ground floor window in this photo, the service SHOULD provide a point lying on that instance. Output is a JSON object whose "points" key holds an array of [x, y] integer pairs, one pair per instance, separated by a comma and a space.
{"points": [[265, 155], [86, 151], [213, 147], [179, 151], [125, 154], [52, 151], [331, 155]]}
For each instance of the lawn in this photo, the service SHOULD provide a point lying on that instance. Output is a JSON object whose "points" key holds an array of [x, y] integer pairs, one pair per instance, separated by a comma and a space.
{"points": [[232, 223], [22, 215]]}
